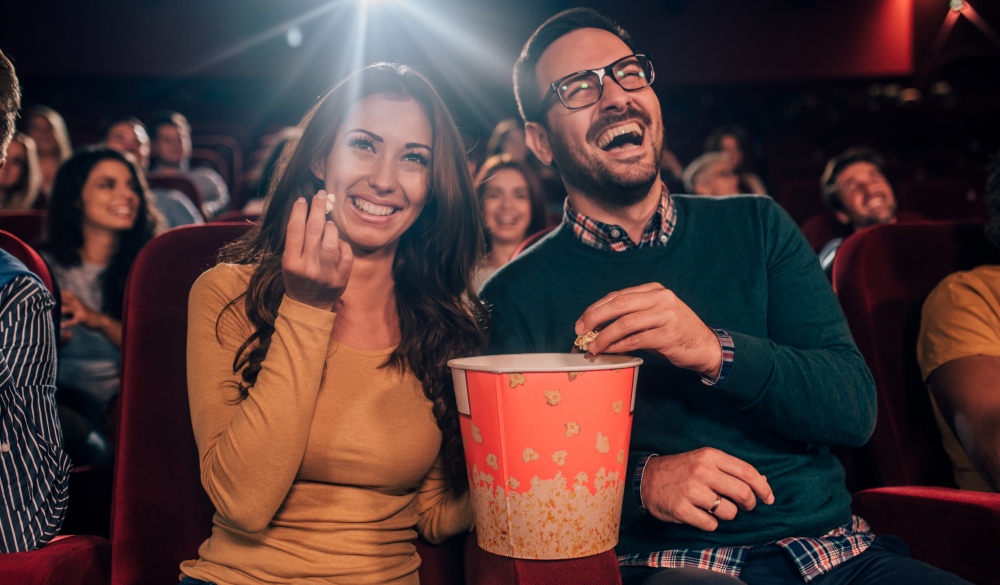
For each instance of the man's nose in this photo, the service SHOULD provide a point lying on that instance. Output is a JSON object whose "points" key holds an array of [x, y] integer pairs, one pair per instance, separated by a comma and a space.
{"points": [[613, 96]]}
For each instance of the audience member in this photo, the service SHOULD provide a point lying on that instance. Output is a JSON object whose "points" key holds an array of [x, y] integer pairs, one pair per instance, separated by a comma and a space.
{"points": [[671, 169], [856, 191], [20, 178], [99, 218], [171, 149], [750, 374], [48, 129], [34, 469], [711, 174], [732, 140], [513, 208], [959, 354], [127, 134], [508, 138], [317, 359], [263, 173]]}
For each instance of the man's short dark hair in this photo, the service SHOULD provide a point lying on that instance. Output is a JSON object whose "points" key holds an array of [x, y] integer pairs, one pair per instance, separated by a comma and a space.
{"points": [[525, 85], [167, 118], [837, 164], [111, 121], [10, 103]]}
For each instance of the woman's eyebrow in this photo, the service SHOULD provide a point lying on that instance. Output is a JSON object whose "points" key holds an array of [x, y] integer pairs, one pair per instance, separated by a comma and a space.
{"points": [[374, 136], [418, 145]]}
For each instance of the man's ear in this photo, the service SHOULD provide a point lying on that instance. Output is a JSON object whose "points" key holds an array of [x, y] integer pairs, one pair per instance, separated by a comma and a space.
{"points": [[537, 139]]}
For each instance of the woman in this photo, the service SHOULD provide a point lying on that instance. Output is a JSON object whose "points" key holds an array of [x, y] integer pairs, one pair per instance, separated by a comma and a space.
{"points": [[99, 218], [320, 397], [20, 177], [513, 209], [48, 129], [732, 140]]}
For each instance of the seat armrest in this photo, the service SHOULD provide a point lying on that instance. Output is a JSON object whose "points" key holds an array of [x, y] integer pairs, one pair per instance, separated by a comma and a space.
{"points": [[68, 560], [485, 568], [955, 530]]}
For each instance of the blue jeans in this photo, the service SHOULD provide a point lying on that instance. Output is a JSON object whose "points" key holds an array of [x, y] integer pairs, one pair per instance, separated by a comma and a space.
{"points": [[886, 562], [193, 581]]}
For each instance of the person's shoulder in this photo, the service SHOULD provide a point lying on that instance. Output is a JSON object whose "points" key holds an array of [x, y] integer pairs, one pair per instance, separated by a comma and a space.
{"points": [[724, 203], [26, 289], [982, 281], [732, 211], [223, 280]]}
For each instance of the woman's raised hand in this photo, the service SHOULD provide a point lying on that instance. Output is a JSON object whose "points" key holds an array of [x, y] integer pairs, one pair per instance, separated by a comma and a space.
{"points": [[316, 264]]}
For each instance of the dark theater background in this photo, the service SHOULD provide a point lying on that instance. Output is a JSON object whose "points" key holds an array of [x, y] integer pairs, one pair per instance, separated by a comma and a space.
{"points": [[915, 78]]}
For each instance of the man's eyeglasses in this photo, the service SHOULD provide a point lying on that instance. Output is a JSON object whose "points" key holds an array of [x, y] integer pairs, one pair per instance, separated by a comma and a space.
{"points": [[584, 88]]}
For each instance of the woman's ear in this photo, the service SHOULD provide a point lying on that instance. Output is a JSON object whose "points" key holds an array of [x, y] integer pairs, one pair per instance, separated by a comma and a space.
{"points": [[318, 168]]}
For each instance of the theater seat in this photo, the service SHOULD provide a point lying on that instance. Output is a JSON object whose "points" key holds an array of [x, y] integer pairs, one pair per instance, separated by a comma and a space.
{"points": [[485, 568], [957, 199], [160, 512], [16, 247], [67, 560], [177, 183], [236, 215], [882, 277], [28, 225]]}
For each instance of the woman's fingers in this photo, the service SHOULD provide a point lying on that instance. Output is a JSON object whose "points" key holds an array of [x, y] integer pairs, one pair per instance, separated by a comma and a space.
{"points": [[315, 227], [295, 231]]}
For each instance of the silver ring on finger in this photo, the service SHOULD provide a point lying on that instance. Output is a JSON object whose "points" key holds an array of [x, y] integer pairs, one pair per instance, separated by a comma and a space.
{"points": [[715, 505]]}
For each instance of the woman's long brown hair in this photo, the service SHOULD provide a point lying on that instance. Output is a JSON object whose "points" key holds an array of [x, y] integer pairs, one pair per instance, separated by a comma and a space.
{"points": [[440, 317]]}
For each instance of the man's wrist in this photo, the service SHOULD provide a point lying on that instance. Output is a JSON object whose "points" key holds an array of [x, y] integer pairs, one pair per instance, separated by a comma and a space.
{"points": [[638, 474]]}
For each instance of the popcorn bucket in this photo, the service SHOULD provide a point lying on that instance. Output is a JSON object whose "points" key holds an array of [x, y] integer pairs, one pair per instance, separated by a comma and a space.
{"points": [[546, 442]]}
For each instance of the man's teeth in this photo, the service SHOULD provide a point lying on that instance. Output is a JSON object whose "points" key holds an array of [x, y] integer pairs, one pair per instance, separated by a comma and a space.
{"points": [[370, 208], [612, 133]]}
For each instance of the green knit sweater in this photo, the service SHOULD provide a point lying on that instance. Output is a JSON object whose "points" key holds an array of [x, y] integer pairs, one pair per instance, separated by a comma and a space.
{"points": [[797, 386]]}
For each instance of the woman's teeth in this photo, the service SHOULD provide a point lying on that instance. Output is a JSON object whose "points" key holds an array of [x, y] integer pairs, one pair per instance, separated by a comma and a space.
{"points": [[370, 208]]}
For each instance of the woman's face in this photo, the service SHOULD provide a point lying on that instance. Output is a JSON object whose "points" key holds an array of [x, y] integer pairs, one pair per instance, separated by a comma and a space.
{"points": [[731, 146], [110, 197], [507, 207], [379, 170], [41, 130], [17, 165]]}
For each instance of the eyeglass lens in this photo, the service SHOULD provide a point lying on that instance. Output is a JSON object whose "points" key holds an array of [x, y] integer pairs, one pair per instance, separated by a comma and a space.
{"points": [[584, 89]]}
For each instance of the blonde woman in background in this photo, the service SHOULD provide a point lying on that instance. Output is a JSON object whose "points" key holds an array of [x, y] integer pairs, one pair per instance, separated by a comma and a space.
{"points": [[48, 129], [20, 177]]}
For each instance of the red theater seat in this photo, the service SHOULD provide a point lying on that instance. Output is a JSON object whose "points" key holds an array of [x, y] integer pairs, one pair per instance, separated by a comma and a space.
{"points": [[484, 568], [178, 183], [160, 513], [27, 225], [959, 199], [67, 560], [882, 277], [236, 216]]}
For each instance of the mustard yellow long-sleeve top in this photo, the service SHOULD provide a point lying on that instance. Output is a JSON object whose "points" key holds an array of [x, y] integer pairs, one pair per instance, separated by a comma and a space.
{"points": [[328, 470]]}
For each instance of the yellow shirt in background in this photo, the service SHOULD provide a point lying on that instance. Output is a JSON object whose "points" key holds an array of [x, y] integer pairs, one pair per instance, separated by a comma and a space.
{"points": [[961, 318], [328, 470]]}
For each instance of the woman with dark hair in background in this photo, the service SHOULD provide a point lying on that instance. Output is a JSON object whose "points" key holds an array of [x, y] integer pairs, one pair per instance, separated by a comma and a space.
{"points": [[732, 140], [513, 208], [508, 139], [99, 218], [48, 129], [321, 400], [20, 178]]}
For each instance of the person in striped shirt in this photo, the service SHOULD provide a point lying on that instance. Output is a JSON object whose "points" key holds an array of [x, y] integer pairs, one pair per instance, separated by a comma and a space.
{"points": [[34, 469]]}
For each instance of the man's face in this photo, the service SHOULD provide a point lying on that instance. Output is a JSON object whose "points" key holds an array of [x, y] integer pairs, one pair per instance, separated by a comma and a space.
{"points": [[172, 145], [609, 151], [130, 138], [866, 196]]}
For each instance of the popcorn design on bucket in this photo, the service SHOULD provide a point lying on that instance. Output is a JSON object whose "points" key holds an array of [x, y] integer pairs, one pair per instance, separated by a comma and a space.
{"points": [[528, 521], [574, 375], [572, 428], [559, 457], [516, 380], [491, 460], [620, 459], [529, 455], [553, 397], [617, 406], [603, 443], [476, 435]]}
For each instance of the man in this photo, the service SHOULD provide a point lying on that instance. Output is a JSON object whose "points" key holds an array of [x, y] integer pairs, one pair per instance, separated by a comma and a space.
{"points": [[711, 174], [750, 373], [127, 134], [171, 148], [34, 469], [856, 191]]}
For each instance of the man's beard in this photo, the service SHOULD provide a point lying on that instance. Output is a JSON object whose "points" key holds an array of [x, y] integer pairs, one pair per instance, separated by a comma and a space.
{"points": [[599, 182]]}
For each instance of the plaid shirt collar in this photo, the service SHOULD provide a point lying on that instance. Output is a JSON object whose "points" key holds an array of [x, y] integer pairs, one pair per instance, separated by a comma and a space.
{"points": [[614, 238]]}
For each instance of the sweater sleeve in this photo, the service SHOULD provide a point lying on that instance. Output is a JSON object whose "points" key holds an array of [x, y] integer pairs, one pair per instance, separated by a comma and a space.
{"points": [[807, 380], [251, 450], [442, 512]]}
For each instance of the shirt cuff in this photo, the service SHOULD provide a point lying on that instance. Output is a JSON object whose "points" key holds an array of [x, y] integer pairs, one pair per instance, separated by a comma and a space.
{"points": [[640, 467], [728, 351]]}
